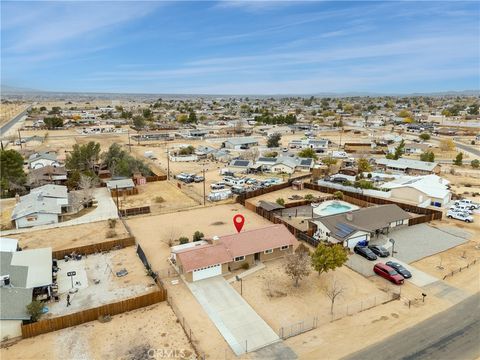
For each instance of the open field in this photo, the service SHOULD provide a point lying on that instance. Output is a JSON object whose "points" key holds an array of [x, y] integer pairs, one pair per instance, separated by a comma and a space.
{"points": [[97, 282], [127, 336], [9, 111], [155, 232], [161, 196], [69, 237], [285, 194], [275, 298]]}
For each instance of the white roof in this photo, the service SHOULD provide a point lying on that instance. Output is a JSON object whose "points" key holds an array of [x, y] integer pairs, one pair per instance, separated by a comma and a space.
{"points": [[121, 184], [431, 185], [35, 203], [39, 263], [407, 164], [53, 191], [8, 244]]}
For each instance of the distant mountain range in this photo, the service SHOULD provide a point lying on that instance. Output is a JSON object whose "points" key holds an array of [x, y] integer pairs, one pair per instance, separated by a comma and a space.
{"points": [[12, 90]]}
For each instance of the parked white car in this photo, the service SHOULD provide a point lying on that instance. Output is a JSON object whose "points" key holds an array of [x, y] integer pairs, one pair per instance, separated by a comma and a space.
{"points": [[460, 216], [461, 208], [468, 203]]}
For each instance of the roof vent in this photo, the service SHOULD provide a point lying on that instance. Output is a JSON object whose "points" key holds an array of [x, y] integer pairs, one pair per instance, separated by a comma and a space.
{"points": [[349, 216]]}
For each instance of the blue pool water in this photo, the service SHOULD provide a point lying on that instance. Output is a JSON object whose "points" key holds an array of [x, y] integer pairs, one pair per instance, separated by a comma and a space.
{"points": [[335, 208]]}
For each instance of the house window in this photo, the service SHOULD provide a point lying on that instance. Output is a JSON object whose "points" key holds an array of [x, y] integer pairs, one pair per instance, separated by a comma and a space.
{"points": [[399, 222], [285, 247], [240, 258], [31, 218], [268, 251]]}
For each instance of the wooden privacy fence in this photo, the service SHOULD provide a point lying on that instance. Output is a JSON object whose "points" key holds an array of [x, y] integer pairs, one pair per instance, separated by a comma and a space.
{"points": [[62, 322], [95, 248], [156, 178], [135, 211], [121, 192]]}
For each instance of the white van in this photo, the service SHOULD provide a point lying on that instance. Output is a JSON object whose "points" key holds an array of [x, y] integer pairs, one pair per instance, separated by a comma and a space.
{"points": [[234, 181]]}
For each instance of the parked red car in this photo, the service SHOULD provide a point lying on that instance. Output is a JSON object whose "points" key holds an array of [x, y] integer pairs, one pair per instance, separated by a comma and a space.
{"points": [[388, 273]]}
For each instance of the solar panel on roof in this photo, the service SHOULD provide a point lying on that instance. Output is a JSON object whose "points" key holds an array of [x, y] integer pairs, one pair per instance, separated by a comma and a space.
{"points": [[343, 230], [306, 162], [241, 162]]}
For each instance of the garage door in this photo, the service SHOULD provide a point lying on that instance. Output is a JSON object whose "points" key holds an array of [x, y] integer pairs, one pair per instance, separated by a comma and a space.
{"points": [[210, 271], [352, 242]]}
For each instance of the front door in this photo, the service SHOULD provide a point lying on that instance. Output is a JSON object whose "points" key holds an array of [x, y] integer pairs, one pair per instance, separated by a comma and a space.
{"points": [[257, 256]]}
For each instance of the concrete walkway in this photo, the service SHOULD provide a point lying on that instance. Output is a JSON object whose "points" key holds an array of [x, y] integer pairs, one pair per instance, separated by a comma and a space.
{"points": [[250, 271], [106, 209], [243, 329]]}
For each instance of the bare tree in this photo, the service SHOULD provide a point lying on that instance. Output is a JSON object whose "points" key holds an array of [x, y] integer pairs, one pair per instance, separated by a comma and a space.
{"points": [[88, 185], [297, 266], [251, 154], [171, 237], [333, 291]]}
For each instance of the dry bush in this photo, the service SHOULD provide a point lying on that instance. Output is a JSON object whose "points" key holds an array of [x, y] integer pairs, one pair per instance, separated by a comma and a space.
{"points": [[159, 200], [110, 234]]}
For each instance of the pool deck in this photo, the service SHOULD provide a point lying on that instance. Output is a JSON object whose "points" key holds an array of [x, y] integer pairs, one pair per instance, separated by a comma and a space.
{"points": [[320, 210]]}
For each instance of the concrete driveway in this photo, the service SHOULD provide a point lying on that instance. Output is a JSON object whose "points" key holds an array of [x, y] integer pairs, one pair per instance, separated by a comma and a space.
{"points": [[413, 243], [243, 329], [365, 267]]}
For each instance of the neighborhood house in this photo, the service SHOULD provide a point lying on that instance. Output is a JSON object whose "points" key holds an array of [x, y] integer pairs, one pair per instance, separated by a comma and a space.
{"points": [[220, 255]]}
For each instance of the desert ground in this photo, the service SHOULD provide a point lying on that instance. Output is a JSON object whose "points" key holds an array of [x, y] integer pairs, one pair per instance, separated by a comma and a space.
{"points": [[286, 195], [155, 233], [9, 111], [133, 335], [69, 237]]}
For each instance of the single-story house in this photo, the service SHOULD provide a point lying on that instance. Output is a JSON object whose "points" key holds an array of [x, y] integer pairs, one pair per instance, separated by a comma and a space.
{"points": [[240, 143], [287, 164], [42, 206], [426, 190], [408, 166], [358, 225], [320, 145], [226, 253], [47, 175], [41, 159], [24, 276], [240, 165]]}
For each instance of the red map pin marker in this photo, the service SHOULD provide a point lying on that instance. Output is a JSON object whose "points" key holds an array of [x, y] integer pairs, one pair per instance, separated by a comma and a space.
{"points": [[238, 221]]}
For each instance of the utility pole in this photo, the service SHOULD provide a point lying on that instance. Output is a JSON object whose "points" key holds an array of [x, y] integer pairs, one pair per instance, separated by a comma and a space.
{"points": [[168, 164], [129, 144], [19, 138], [116, 188], [204, 185]]}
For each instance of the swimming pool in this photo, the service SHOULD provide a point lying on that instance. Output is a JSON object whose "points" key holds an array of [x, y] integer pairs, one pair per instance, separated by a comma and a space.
{"points": [[333, 207]]}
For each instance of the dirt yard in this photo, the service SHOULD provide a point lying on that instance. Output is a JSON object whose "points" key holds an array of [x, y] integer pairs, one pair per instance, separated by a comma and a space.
{"points": [[275, 298], [6, 206], [101, 268], [161, 196], [139, 334], [286, 195], [154, 233], [69, 237]]}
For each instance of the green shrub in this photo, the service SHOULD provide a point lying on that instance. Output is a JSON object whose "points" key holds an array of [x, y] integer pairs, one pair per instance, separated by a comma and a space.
{"points": [[183, 240]]}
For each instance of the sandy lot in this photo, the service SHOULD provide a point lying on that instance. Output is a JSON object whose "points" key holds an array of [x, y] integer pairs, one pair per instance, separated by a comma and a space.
{"points": [[8, 111], [6, 206], [69, 237], [285, 194], [102, 268], [153, 193], [272, 294], [127, 336], [154, 232]]}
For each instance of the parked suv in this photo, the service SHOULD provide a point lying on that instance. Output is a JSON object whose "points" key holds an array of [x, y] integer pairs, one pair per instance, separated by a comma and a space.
{"points": [[452, 214], [365, 252], [388, 273]]}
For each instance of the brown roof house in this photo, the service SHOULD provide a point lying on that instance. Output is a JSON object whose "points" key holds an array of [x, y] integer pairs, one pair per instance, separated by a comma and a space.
{"points": [[219, 255], [349, 228]]}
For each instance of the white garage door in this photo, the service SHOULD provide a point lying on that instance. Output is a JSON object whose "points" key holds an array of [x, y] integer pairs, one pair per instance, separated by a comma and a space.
{"points": [[352, 242], [210, 271]]}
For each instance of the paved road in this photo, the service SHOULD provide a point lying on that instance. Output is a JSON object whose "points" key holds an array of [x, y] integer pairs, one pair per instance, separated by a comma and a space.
{"points": [[474, 149], [453, 334], [8, 125]]}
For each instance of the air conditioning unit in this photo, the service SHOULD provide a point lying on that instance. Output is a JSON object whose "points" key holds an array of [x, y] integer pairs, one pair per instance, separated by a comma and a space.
{"points": [[4, 280]]}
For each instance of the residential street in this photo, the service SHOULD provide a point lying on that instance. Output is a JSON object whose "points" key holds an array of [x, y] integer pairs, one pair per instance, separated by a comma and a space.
{"points": [[452, 334], [471, 149]]}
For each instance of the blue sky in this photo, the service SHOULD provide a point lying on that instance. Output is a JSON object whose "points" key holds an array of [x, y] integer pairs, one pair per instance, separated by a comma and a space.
{"points": [[241, 47]]}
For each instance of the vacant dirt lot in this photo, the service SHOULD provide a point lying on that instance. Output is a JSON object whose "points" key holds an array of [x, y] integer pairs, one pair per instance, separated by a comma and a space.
{"points": [[127, 336], [6, 206], [275, 298], [69, 237], [161, 196], [286, 194]]}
